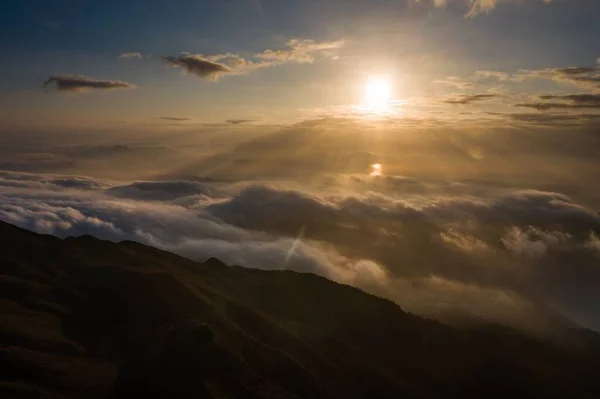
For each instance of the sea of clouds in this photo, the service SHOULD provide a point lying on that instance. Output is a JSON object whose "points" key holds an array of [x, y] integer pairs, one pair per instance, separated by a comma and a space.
{"points": [[443, 249]]}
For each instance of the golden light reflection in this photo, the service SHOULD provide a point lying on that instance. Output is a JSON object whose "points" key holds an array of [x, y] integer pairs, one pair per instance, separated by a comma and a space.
{"points": [[376, 169]]}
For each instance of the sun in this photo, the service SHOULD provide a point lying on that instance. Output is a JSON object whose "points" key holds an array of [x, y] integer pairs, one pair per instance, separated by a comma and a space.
{"points": [[376, 170], [378, 93]]}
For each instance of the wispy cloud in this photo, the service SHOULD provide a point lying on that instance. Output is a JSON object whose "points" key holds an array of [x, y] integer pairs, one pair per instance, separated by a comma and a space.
{"points": [[583, 76], [213, 67], [175, 118], [498, 75], [131, 55], [301, 50], [469, 98], [570, 101], [586, 77], [456, 81], [238, 121], [199, 65], [554, 119], [83, 83]]}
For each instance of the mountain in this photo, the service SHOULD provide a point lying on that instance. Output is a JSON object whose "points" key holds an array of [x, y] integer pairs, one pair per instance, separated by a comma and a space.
{"points": [[86, 318]]}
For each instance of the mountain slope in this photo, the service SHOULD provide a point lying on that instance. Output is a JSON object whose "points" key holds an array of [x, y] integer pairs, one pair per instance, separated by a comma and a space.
{"points": [[85, 318]]}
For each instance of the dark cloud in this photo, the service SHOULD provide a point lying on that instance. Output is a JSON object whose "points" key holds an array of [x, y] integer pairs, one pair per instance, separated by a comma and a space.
{"points": [[588, 99], [571, 101], [470, 98], [199, 65], [574, 71], [214, 67], [175, 118], [588, 77], [238, 121], [83, 83], [554, 119], [543, 106]]}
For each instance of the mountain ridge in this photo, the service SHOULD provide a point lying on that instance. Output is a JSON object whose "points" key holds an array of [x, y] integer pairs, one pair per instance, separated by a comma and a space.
{"points": [[83, 317]]}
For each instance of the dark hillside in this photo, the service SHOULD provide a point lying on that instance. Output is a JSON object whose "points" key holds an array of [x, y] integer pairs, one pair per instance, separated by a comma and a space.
{"points": [[87, 318]]}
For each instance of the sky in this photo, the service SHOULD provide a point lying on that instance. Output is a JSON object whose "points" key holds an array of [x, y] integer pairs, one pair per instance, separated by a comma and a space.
{"points": [[286, 58], [439, 153]]}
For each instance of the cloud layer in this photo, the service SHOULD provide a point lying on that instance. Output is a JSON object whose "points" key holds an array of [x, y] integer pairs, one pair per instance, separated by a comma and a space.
{"points": [[435, 248]]}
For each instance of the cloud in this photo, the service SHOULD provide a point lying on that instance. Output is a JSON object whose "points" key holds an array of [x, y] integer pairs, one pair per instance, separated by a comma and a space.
{"points": [[593, 244], [497, 75], [302, 51], [143, 212], [432, 247], [569, 101], [159, 191], [238, 121], [83, 83], [199, 65], [470, 98], [582, 76], [534, 243], [457, 82], [439, 240], [213, 67], [554, 119], [476, 7], [175, 118], [588, 77], [131, 55]]}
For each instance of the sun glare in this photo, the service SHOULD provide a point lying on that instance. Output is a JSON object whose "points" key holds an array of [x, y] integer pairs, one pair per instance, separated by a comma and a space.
{"points": [[376, 169], [378, 93]]}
